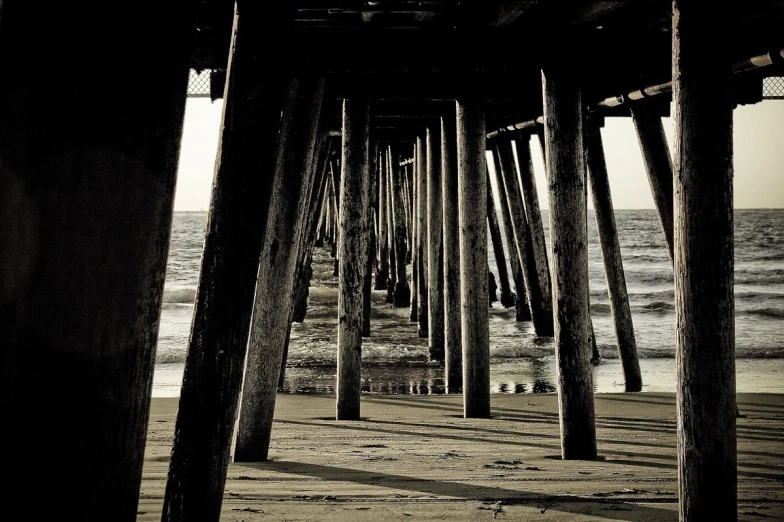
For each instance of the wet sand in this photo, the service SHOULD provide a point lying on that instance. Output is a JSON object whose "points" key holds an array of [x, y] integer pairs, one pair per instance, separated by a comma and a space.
{"points": [[416, 458]]}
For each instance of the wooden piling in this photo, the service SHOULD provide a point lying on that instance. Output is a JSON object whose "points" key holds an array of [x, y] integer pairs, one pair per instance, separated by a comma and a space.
{"points": [[538, 248], [352, 254], [507, 297], [88, 163], [658, 165], [704, 263], [335, 170], [283, 238], [613, 264], [421, 237], [539, 302], [413, 315], [370, 238], [521, 296], [382, 274], [402, 297], [472, 206], [435, 283], [563, 115], [453, 355], [392, 281]]}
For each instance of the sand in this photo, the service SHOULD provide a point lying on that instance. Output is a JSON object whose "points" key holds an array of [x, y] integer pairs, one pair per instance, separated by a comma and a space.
{"points": [[415, 458]]}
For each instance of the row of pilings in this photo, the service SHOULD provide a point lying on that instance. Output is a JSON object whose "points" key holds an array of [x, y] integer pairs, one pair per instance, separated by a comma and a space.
{"points": [[90, 172]]}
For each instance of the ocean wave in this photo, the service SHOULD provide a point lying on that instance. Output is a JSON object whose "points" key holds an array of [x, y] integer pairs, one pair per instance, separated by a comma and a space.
{"points": [[185, 294], [765, 312], [600, 308], [656, 306]]}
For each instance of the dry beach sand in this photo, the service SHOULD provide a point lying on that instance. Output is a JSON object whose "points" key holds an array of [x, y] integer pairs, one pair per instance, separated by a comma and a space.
{"points": [[415, 458]]}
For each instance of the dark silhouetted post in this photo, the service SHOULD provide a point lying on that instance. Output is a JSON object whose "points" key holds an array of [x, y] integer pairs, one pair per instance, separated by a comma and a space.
{"points": [[507, 297], [435, 291], [352, 253], [563, 115], [704, 263], [611, 254], [402, 298], [472, 205]]}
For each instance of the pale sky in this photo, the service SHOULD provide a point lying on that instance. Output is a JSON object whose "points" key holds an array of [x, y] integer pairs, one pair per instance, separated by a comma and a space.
{"points": [[759, 158]]}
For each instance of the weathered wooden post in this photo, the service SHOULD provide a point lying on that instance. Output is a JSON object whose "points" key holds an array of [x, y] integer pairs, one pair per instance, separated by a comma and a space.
{"points": [[370, 237], [538, 252], [658, 165], [611, 254], [704, 264], [435, 291], [322, 224], [352, 253], [539, 300], [304, 271], [453, 355], [382, 274], [415, 239], [521, 296], [563, 121], [391, 234], [286, 219], [87, 175], [472, 206], [402, 298], [421, 237], [335, 170], [507, 297]]}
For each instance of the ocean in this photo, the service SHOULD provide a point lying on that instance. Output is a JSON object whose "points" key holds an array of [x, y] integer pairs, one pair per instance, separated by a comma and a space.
{"points": [[395, 359]]}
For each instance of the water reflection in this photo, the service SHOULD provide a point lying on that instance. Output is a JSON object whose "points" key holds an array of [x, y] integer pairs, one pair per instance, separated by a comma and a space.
{"points": [[533, 375]]}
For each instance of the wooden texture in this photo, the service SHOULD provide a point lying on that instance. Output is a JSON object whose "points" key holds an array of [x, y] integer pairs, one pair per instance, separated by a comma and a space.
{"points": [[435, 244], [538, 247], [539, 302], [658, 165], [422, 249], [352, 253], [704, 265], [563, 115], [453, 355], [402, 297], [283, 238], [507, 297], [472, 207], [391, 232], [417, 163], [613, 263], [87, 177], [370, 238], [499, 193], [382, 272]]}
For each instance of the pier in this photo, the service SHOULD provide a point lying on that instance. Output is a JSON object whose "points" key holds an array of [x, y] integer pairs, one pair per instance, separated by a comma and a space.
{"points": [[372, 127]]}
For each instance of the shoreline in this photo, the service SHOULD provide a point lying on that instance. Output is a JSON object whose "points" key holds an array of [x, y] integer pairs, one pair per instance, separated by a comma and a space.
{"points": [[416, 458]]}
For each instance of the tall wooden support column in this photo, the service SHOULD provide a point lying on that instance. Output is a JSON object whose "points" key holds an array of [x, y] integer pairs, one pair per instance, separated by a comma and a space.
{"points": [[538, 247], [435, 244], [392, 281], [417, 171], [472, 205], [563, 115], [422, 249], [402, 298], [704, 297], [521, 296], [539, 300], [352, 253], [507, 297], [304, 271], [274, 288], [382, 274], [658, 165], [370, 237], [336, 185], [453, 355], [87, 176], [613, 264]]}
